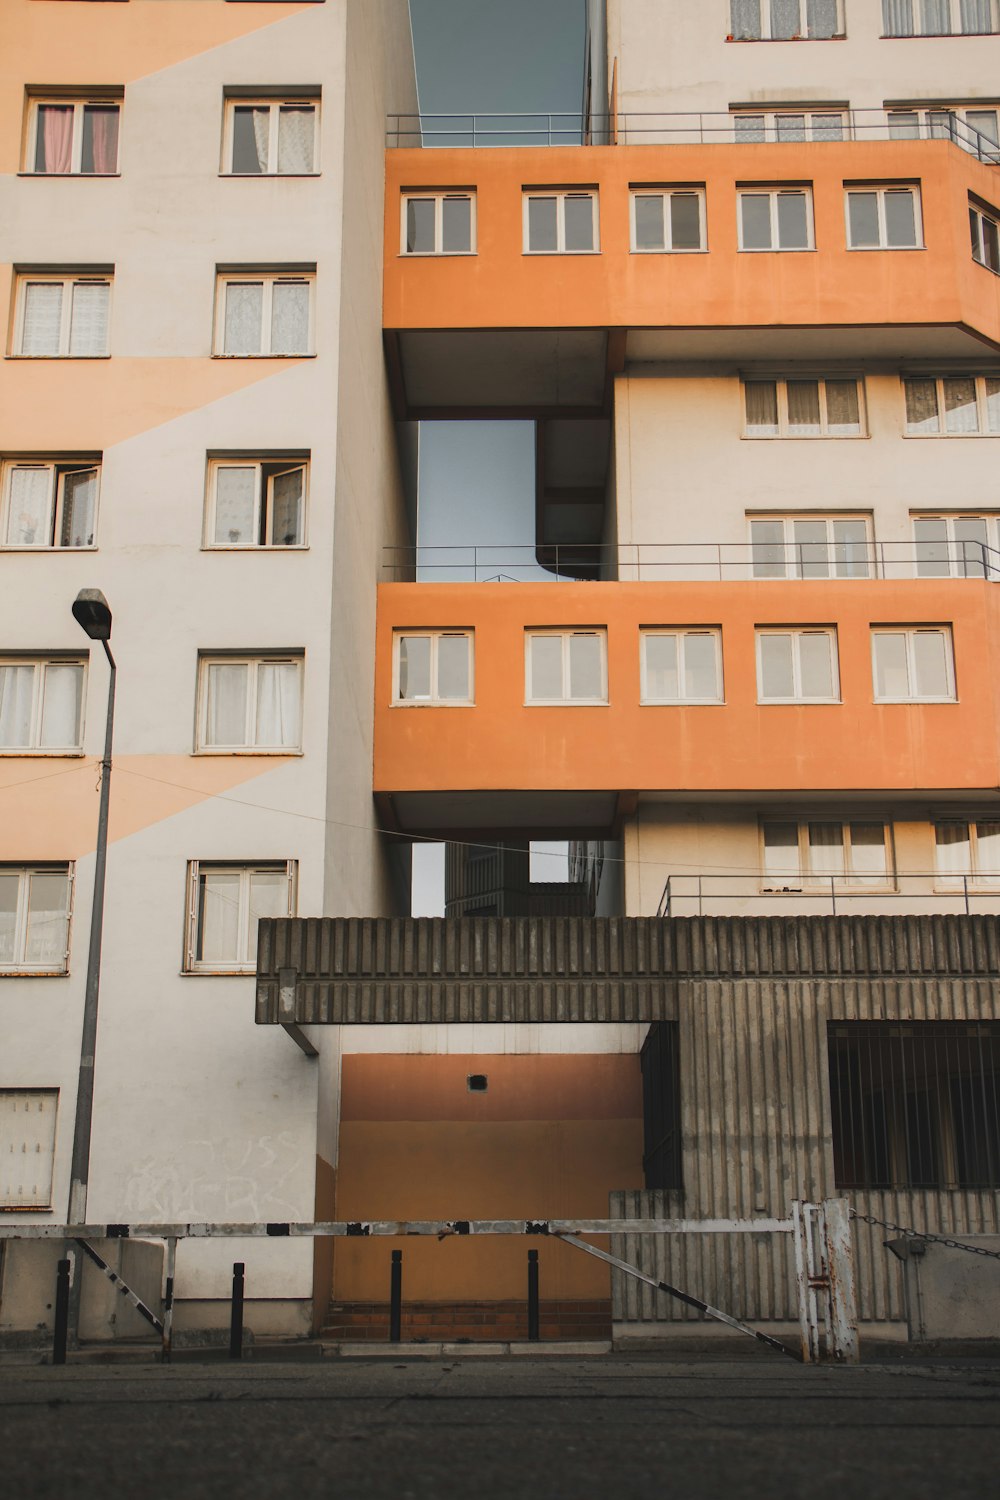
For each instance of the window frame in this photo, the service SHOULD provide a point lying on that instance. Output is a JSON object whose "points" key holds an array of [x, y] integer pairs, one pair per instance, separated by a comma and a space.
{"points": [[275, 103], [796, 632], [59, 470], [882, 192], [253, 660], [928, 122], [959, 563], [681, 633], [909, 633], [79, 103], [65, 279], [953, 10], [40, 665], [792, 557], [975, 880], [785, 429], [19, 967], [561, 195], [774, 191], [770, 130], [10, 1094], [983, 429], [268, 280], [801, 36], [565, 635], [664, 192], [263, 501], [979, 215], [808, 882], [192, 921], [435, 636], [439, 197]]}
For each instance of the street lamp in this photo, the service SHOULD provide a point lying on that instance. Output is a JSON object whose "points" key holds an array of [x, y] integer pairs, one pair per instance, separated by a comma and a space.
{"points": [[92, 611]]}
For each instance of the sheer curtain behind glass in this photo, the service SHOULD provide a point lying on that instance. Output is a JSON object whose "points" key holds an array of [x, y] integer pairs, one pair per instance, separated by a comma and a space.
{"points": [[290, 317], [42, 317], [745, 18], [28, 508], [822, 19], [54, 138], [897, 17], [976, 16], [79, 505], [17, 689], [48, 919], [10, 885], [236, 506], [60, 726], [226, 710], [784, 19], [296, 133], [278, 705], [244, 312], [88, 333], [218, 917]]}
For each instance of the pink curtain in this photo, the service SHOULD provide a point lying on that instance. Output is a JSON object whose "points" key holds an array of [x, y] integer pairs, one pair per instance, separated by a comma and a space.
{"points": [[105, 127], [57, 138]]}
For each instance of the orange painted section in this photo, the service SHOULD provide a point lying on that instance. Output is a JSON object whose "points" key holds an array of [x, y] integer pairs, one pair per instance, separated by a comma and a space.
{"points": [[502, 744], [602, 1087], [501, 287]]}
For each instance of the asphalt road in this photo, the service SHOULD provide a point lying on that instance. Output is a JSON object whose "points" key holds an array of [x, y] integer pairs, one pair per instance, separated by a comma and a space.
{"points": [[630, 1426]]}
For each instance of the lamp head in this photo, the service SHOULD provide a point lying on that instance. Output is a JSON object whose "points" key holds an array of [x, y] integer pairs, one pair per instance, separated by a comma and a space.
{"points": [[93, 613]]}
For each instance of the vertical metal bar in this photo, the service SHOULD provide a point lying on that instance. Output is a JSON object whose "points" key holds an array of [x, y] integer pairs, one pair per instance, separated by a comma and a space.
{"points": [[965, 892], [168, 1301], [60, 1327], [699, 895], [236, 1312], [396, 1298], [833, 894], [533, 1296]]}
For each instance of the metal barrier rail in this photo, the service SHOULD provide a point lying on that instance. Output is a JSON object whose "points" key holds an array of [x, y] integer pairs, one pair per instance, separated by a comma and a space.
{"points": [[831, 890]]}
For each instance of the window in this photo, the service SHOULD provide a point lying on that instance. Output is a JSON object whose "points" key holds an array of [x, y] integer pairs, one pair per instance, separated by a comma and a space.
{"points": [[250, 703], [915, 1104], [913, 666], [682, 666], [668, 219], [967, 855], [48, 504], [41, 705], [826, 856], [432, 666], [561, 223], [798, 125], [884, 218], [803, 408], [271, 137], [73, 136], [810, 547], [939, 17], [566, 666], [61, 317], [661, 1107], [225, 904], [785, 20], [984, 230], [256, 502], [438, 224], [797, 666], [27, 1147], [265, 314], [775, 218], [952, 406], [957, 546], [975, 130], [34, 919]]}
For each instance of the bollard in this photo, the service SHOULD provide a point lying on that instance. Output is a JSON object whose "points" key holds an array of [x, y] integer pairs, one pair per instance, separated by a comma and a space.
{"points": [[396, 1298], [60, 1327], [533, 1295], [236, 1313]]}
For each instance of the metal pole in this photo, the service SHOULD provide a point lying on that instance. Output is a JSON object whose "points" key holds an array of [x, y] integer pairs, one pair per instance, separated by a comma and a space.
{"points": [[61, 1324], [168, 1301], [533, 1296], [236, 1313], [396, 1298]]}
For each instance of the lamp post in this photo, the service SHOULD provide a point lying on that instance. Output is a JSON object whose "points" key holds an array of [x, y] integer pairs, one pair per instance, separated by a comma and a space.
{"points": [[92, 612]]}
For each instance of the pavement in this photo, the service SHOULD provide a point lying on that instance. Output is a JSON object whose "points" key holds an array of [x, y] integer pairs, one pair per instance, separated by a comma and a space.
{"points": [[413, 1428]]}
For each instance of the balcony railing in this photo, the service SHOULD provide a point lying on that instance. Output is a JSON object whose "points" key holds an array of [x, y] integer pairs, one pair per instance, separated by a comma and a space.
{"points": [[915, 893], [663, 562]]}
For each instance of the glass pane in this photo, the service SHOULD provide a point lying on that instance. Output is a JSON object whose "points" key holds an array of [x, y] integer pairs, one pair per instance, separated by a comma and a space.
{"points": [[897, 17], [456, 225], [904, 125], [793, 227], [850, 549], [826, 849], [784, 19], [749, 128], [952, 854], [279, 713], [762, 407], [662, 681], [960, 405], [649, 221], [42, 317], [984, 123], [933, 551], [891, 677], [453, 667], [585, 675], [976, 16], [812, 554], [843, 410], [290, 317], [579, 211], [827, 127], [901, 218], [993, 403], [935, 17], [415, 668], [226, 710], [781, 855], [745, 20], [863, 218], [100, 138], [79, 506], [54, 138], [921, 406], [48, 922], [420, 214], [767, 549], [941, 124], [685, 221], [546, 666], [244, 312], [218, 917], [869, 855], [287, 495], [61, 703], [974, 236], [268, 898], [17, 696], [755, 209], [251, 126], [816, 664], [931, 656], [971, 538], [790, 127], [9, 886], [701, 667], [822, 18], [988, 852], [991, 244], [28, 516], [88, 333], [296, 138], [236, 507], [803, 408], [542, 231], [777, 678]]}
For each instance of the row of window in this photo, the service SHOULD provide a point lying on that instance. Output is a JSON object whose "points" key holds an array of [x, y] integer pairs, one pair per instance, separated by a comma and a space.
{"points": [[934, 406], [841, 546], [825, 20]]}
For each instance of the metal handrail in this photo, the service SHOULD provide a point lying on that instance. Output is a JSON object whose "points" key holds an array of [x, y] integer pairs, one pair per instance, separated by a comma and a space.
{"points": [[834, 888]]}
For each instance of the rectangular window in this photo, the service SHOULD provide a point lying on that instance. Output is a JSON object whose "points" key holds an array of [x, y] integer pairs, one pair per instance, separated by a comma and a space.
{"points": [[668, 219], [984, 231], [682, 666], [256, 502], [799, 125], [975, 130], [438, 224], [810, 547], [826, 856], [775, 218], [225, 904], [915, 1104], [250, 703], [661, 1107], [797, 666], [883, 218], [566, 666], [432, 667], [41, 705], [561, 222], [785, 20], [957, 546], [915, 665], [967, 855], [901, 18], [27, 1147], [264, 314], [62, 317], [34, 919], [803, 408], [952, 406], [272, 137], [48, 504], [73, 136]]}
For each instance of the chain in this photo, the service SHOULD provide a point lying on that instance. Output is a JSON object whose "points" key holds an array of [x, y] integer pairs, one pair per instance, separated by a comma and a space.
{"points": [[917, 1234]]}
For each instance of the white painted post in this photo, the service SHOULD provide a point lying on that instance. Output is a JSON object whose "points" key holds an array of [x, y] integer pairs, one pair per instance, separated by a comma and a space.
{"points": [[843, 1346], [802, 1215]]}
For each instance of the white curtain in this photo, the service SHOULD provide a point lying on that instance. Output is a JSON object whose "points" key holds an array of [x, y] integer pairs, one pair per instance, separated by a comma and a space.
{"points": [[42, 317], [826, 849], [897, 17], [17, 688], [843, 416], [235, 506], [823, 20], [803, 407], [961, 412], [10, 885], [662, 680], [762, 407], [745, 15], [226, 712], [976, 16], [88, 332], [869, 861], [261, 133], [784, 19], [952, 854], [244, 313], [45, 941], [290, 317], [219, 917], [935, 17], [922, 406], [286, 507], [79, 504], [414, 668], [28, 514], [278, 705], [62, 690], [296, 138]]}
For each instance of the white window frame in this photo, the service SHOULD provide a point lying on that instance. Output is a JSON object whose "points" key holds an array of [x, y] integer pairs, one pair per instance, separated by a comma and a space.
{"points": [[695, 190], [796, 632], [681, 635], [973, 878], [791, 553], [561, 195], [78, 105], [566, 635], [439, 197], [959, 562], [434, 700], [949, 122], [67, 281], [882, 191], [20, 965], [58, 472], [234, 102], [770, 128], [983, 429], [252, 661], [809, 882], [773, 192], [263, 503], [801, 36], [979, 215], [247, 964], [268, 280], [955, 20], [785, 429], [909, 634], [14, 1203], [40, 666]]}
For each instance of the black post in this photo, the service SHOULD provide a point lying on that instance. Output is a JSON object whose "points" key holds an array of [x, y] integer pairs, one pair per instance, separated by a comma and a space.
{"points": [[61, 1325], [236, 1315], [396, 1298], [533, 1296]]}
